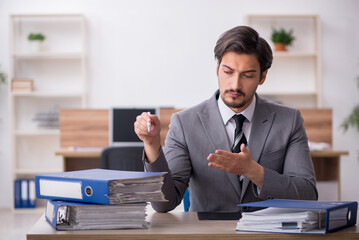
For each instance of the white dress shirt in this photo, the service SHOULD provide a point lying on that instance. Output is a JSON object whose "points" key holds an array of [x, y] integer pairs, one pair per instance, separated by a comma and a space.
{"points": [[229, 122]]}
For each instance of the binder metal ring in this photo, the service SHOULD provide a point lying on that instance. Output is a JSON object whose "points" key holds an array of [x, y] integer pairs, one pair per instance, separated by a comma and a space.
{"points": [[88, 191]]}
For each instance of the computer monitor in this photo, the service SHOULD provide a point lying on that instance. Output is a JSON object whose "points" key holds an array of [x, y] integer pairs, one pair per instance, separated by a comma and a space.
{"points": [[121, 125]]}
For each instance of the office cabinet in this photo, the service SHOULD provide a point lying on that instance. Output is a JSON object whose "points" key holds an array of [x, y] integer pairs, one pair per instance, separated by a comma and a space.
{"points": [[41, 81], [295, 76]]}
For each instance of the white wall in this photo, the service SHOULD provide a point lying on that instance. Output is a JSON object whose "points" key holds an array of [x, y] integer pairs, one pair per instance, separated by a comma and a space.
{"points": [[160, 52]]}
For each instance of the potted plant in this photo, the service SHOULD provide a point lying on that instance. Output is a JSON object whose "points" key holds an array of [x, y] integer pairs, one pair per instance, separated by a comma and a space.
{"points": [[282, 38], [2, 78], [353, 119], [36, 40]]}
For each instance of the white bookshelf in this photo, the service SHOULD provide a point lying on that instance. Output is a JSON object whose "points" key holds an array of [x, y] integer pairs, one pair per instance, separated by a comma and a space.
{"points": [[22, 171], [295, 76], [49, 55], [54, 132], [48, 94], [58, 72]]}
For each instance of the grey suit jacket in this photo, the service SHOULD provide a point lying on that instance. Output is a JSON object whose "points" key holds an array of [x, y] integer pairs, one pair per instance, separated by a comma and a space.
{"points": [[278, 142]]}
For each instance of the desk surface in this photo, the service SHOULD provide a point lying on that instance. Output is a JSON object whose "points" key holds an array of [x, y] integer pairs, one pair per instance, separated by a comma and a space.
{"points": [[80, 153], [177, 225]]}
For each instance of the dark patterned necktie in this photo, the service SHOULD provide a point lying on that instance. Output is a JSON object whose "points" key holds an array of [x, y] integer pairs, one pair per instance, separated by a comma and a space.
{"points": [[239, 137]]}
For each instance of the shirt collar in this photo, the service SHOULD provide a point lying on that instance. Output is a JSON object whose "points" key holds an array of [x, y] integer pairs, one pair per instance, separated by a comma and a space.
{"points": [[228, 113]]}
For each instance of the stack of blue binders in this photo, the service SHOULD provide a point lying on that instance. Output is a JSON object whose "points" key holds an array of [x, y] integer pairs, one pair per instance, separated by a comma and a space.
{"points": [[24, 193], [98, 198]]}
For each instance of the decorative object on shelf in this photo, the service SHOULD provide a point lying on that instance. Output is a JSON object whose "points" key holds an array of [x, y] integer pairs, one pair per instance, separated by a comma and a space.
{"points": [[353, 119], [48, 119], [282, 38], [22, 85], [303, 90], [2, 78], [36, 40]]}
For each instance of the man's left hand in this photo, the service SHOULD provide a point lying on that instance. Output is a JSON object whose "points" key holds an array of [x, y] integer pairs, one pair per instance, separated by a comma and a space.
{"points": [[238, 164]]}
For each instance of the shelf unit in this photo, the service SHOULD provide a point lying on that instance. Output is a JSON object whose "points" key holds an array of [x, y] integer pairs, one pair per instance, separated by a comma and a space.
{"points": [[295, 76], [58, 71]]}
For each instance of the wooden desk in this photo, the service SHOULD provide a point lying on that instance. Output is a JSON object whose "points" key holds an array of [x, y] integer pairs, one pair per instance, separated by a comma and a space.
{"points": [[177, 225], [79, 159], [327, 166]]}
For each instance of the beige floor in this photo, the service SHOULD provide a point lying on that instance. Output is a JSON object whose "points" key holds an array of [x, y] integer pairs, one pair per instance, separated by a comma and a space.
{"points": [[14, 225]]}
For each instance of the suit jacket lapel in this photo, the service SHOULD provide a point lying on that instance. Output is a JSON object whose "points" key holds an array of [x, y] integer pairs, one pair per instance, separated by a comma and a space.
{"points": [[261, 125], [213, 125], [216, 132]]}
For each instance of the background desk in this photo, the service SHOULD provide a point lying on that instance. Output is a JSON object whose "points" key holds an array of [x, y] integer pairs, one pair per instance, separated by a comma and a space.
{"points": [[177, 226], [79, 159], [326, 163]]}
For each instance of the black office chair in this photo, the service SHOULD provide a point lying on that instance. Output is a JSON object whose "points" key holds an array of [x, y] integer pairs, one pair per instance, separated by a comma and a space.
{"points": [[126, 158]]}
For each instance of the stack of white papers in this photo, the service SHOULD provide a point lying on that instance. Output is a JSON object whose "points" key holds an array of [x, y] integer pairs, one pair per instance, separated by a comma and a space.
{"points": [[282, 220], [136, 190], [298, 216]]}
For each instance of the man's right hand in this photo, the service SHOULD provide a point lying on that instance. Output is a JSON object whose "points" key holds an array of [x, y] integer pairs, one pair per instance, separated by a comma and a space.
{"points": [[152, 139]]}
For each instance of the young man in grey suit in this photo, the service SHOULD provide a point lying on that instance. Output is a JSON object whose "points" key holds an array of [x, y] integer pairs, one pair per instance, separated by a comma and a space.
{"points": [[225, 161]]}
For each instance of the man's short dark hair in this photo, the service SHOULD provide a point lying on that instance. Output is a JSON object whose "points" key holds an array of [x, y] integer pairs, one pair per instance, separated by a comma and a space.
{"points": [[244, 40]]}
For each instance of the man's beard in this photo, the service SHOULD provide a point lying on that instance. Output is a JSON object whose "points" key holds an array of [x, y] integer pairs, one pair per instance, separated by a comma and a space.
{"points": [[234, 104]]}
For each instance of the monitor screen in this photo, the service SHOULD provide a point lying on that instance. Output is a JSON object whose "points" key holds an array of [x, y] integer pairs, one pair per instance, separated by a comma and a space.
{"points": [[121, 125]]}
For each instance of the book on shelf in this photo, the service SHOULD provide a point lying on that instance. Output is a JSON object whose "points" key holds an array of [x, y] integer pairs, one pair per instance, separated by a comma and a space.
{"points": [[298, 216], [81, 216], [22, 85], [101, 186]]}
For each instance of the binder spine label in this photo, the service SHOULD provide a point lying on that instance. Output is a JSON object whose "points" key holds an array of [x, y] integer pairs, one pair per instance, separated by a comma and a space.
{"points": [[32, 193], [50, 211], [24, 192], [63, 189]]}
